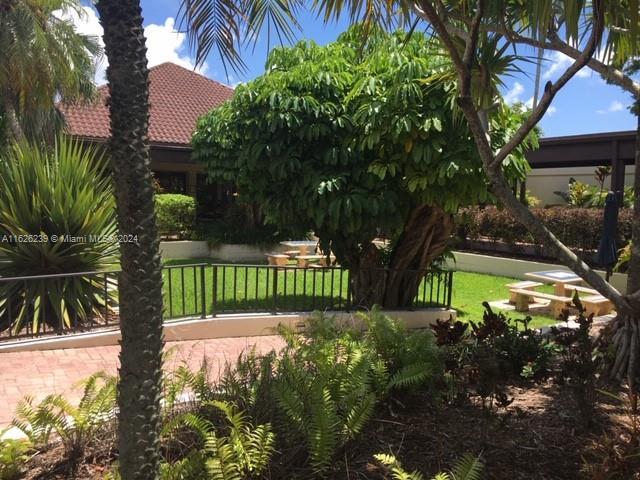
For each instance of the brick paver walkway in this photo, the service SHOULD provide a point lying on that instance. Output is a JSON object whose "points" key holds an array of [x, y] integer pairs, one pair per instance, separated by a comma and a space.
{"points": [[59, 371]]}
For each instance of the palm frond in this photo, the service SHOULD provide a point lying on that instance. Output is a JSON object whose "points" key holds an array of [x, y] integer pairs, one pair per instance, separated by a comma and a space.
{"points": [[220, 25]]}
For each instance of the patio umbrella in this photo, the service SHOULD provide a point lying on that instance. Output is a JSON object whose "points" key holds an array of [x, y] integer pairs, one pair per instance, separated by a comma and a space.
{"points": [[607, 255]]}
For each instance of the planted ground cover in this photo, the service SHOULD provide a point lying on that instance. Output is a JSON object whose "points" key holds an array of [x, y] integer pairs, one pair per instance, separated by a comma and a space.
{"points": [[379, 404]]}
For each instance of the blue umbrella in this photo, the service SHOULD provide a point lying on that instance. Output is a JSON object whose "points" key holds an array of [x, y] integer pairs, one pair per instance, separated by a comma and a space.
{"points": [[607, 255]]}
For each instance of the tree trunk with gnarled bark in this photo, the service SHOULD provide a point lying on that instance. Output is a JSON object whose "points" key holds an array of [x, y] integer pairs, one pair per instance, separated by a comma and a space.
{"points": [[425, 236], [140, 282], [626, 336]]}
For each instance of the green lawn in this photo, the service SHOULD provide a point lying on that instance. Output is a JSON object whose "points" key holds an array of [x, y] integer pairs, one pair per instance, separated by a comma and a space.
{"points": [[471, 289], [251, 289]]}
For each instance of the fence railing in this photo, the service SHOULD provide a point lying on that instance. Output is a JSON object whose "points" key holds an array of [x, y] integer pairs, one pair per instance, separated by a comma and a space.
{"points": [[195, 290]]}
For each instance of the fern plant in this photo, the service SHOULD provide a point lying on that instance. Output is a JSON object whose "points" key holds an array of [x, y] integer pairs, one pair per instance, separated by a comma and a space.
{"points": [[324, 388], [76, 427], [245, 451], [467, 468], [185, 383], [248, 383], [411, 358]]}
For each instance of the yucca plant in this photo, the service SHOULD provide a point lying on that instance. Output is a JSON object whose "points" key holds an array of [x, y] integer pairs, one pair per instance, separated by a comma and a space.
{"points": [[57, 215]]}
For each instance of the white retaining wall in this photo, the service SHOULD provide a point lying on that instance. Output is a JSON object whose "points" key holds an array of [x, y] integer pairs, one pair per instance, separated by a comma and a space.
{"points": [[223, 326]]}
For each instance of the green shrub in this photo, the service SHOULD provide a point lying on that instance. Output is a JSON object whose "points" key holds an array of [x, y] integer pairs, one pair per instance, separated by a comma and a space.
{"points": [[176, 214], [495, 351], [624, 257], [48, 192], [308, 400], [580, 359], [578, 228], [322, 388], [13, 456], [590, 196]]}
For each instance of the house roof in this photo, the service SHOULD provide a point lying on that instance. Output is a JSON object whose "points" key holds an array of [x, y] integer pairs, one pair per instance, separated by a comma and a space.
{"points": [[177, 97]]}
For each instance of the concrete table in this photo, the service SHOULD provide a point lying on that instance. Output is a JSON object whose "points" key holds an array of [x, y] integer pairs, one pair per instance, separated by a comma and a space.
{"points": [[559, 278], [302, 246]]}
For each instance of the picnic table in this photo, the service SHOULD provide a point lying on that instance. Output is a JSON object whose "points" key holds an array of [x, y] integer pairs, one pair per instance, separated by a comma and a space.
{"points": [[559, 278]]}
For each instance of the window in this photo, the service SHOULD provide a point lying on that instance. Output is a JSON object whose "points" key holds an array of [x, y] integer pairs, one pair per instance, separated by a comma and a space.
{"points": [[172, 182]]}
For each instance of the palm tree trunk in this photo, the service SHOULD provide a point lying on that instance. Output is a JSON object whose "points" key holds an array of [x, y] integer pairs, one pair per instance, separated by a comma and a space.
{"points": [[140, 283], [12, 121]]}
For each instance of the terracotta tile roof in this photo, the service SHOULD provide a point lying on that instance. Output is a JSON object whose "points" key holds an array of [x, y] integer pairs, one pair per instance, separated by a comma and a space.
{"points": [[178, 96]]}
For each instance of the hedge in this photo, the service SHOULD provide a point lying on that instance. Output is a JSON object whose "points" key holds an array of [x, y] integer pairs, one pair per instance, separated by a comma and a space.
{"points": [[578, 228], [176, 214]]}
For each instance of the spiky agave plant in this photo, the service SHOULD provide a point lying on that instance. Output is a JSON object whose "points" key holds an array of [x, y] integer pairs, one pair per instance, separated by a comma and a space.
{"points": [[60, 193]]}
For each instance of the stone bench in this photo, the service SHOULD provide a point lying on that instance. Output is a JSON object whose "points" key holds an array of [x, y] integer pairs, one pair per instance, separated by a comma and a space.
{"points": [[580, 289], [596, 304], [523, 298], [277, 259], [304, 260], [524, 285]]}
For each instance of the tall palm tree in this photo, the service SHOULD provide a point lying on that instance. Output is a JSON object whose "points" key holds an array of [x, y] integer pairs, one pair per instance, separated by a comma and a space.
{"points": [[140, 283], [42, 59]]}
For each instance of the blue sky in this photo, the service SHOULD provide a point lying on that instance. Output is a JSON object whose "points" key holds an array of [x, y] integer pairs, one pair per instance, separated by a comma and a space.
{"points": [[586, 105]]}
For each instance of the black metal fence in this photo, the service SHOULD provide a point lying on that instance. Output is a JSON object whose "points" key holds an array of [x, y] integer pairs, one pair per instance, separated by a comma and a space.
{"points": [[203, 290]]}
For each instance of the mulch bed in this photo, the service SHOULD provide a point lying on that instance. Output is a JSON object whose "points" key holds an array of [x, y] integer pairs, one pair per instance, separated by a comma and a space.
{"points": [[537, 437]]}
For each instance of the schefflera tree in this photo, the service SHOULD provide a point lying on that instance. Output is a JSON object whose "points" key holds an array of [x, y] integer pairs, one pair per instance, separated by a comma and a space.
{"points": [[351, 140]]}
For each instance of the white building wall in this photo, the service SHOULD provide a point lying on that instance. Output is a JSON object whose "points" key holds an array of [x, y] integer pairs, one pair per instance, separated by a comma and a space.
{"points": [[542, 182]]}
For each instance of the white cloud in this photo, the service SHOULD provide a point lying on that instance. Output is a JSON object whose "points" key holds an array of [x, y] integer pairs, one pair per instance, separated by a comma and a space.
{"points": [[87, 23], [558, 62], [551, 110], [164, 43], [614, 106], [513, 95]]}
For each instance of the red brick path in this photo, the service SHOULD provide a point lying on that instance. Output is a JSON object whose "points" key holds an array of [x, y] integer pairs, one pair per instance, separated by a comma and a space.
{"points": [[59, 371]]}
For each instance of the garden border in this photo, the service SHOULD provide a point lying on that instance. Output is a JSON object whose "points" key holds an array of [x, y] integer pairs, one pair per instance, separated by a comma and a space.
{"points": [[221, 326]]}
